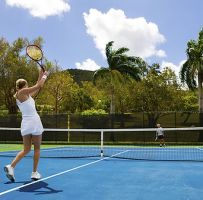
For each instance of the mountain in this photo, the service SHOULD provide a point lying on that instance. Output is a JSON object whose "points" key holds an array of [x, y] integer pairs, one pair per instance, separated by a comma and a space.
{"points": [[81, 75]]}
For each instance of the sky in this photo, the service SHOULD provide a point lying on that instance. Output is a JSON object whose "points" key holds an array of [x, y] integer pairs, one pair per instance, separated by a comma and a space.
{"points": [[75, 32]]}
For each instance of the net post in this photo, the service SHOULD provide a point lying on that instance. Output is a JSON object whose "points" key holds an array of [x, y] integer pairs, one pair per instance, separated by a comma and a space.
{"points": [[68, 127], [102, 144]]}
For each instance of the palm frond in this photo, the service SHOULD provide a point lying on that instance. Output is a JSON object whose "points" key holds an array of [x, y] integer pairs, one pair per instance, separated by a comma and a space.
{"points": [[187, 74], [121, 51], [131, 70], [116, 77], [100, 73], [109, 50]]}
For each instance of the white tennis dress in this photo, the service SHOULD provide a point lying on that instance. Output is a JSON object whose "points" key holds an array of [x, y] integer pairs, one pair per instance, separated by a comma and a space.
{"points": [[31, 122]]}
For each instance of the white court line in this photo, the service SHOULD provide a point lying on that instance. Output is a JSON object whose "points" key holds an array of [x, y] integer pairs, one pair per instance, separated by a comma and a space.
{"points": [[58, 174]]}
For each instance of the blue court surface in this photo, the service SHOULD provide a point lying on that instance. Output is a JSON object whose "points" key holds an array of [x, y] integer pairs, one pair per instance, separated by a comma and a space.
{"points": [[104, 179]]}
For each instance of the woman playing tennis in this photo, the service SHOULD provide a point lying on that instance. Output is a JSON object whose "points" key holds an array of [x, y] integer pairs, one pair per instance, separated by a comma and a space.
{"points": [[31, 125]]}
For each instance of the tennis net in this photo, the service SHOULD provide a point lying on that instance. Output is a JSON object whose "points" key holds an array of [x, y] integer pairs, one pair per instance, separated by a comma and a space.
{"points": [[181, 144]]}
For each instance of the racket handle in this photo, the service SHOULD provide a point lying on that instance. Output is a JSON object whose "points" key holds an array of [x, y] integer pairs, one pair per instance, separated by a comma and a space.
{"points": [[43, 69]]}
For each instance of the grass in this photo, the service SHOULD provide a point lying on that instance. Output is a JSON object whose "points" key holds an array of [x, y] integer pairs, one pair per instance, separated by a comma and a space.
{"points": [[16, 147]]}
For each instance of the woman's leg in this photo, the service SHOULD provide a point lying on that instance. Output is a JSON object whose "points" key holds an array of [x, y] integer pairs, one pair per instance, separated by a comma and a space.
{"points": [[27, 143], [36, 139]]}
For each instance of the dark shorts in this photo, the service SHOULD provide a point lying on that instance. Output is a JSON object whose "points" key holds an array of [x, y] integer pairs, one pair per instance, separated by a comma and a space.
{"points": [[160, 137]]}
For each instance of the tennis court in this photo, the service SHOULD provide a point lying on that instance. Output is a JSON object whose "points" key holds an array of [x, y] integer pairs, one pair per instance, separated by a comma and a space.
{"points": [[108, 170]]}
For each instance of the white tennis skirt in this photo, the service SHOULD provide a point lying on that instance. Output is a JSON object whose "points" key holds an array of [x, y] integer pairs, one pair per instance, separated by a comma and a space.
{"points": [[31, 125]]}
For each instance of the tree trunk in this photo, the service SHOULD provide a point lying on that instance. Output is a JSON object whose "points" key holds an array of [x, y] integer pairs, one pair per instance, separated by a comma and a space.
{"points": [[200, 92], [112, 105], [11, 104]]}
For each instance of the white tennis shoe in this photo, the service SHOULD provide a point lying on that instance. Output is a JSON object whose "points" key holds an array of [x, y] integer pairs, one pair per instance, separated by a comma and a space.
{"points": [[9, 172], [36, 176]]}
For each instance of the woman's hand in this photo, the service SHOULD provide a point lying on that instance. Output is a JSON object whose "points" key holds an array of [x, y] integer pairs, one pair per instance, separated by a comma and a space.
{"points": [[46, 73]]}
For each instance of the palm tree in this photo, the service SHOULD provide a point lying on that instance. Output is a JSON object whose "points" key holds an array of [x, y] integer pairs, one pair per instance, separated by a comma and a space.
{"points": [[120, 67], [192, 70]]}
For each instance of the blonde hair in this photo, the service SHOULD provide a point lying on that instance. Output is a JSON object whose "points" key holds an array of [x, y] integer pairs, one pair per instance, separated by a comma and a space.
{"points": [[20, 83]]}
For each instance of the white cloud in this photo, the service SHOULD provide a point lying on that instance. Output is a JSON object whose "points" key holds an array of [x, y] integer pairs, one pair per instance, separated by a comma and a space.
{"points": [[41, 8], [140, 36], [161, 53], [87, 65], [175, 68]]}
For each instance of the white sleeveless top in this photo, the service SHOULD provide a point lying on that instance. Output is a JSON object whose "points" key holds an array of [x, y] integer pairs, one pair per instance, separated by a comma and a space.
{"points": [[31, 122]]}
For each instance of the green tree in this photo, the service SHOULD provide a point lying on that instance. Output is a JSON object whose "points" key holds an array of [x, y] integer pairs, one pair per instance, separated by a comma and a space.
{"points": [[192, 70], [82, 100], [98, 96], [14, 64], [58, 89], [190, 101], [157, 92], [120, 67]]}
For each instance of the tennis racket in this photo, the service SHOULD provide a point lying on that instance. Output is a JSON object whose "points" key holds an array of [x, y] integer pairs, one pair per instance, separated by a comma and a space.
{"points": [[35, 53]]}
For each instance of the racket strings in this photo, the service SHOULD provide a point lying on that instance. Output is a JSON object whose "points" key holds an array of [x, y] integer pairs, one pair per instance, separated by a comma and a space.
{"points": [[34, 52]]}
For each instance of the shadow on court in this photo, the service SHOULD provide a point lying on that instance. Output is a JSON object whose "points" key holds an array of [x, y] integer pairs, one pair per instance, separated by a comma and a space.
{"points": [[38, 188]]}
